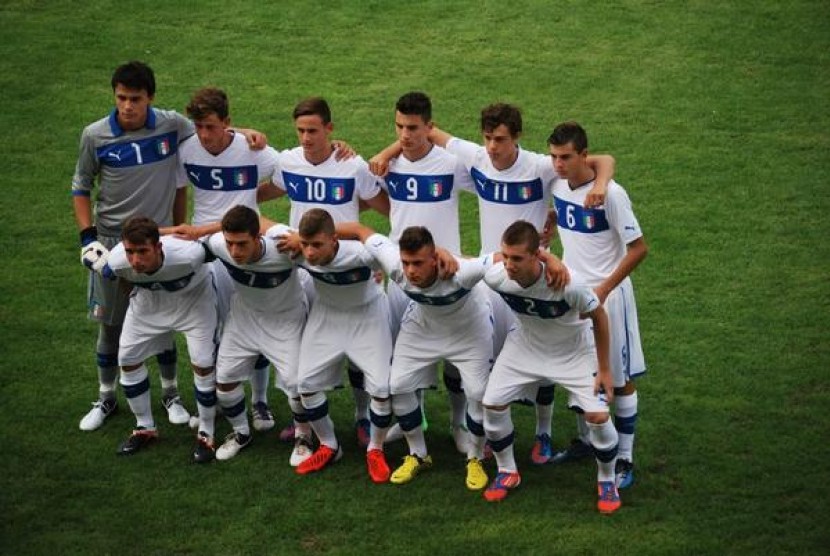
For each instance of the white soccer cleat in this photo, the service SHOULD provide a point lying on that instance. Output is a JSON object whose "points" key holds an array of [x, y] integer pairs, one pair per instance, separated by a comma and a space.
{"points": [[263, 418], [176, 413], [234, 442], [98, 414], [303, 449]]}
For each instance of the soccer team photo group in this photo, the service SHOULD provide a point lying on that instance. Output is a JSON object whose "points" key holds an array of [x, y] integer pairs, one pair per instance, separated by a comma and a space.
{"points": [[289, 311]]}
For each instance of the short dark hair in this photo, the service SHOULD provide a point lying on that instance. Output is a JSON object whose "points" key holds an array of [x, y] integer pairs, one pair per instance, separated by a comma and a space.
{"points": [[494, 115], [241, 219], [569, 132], [140, 230], [207, 101], [313, 106], [135, 75], [414, 238], [415, 103], [316, 221], [521, 232]]}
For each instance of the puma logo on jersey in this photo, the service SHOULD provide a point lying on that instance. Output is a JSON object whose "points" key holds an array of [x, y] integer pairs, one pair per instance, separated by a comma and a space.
{"points": [[194, 175], [115, 155], [293, 186], [481, 184], [393, 185]]}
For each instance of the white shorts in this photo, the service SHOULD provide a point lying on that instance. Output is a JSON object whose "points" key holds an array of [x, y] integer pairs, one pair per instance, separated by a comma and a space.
{"points": [[151, 317], [626, 351], [249, 333], [520, 370], [362, 334], [421, 344]]}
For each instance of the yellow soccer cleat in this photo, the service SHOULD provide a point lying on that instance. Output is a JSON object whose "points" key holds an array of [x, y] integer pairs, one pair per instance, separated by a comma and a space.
{"points": [[412, 465], [476, 476]]}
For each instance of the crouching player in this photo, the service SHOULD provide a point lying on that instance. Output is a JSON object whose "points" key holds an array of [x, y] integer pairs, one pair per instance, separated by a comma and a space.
{"points": [[266, 315], [551, 344], [349, 318], [173, 293]]}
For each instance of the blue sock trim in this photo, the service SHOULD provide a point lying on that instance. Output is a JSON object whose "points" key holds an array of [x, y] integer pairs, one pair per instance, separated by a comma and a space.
{"points": [[105, 360], [300, 417], [606, 456], [135, 390], [206, 398], [380, 421], [411, 420], [475, 427], [453, 384], [261, 362], [502, 443], [544, 396], [235, 409], [625, 425], [168, 357], [317, 413], [356, 378]]}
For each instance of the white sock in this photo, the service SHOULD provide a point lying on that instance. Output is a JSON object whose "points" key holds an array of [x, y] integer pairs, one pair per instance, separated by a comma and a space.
{"points": [[604, 440], [260, 378], [625, 419], [206, 401], [317, 407], [137, 389], [381, 418], [233, 407], [301, 428], [498, 427], [405, 405], [544, 417]]}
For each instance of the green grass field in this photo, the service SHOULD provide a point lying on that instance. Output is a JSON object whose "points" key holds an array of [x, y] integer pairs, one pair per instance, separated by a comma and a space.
{"points": [[717, 115]]}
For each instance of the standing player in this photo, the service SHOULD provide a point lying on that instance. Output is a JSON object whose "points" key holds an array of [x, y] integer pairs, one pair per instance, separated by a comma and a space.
{"points": [[550, 345], [313, 177], [173, 293], [424, 184], [132, 155], [349, 318], [267, 315], [604, 245], [224, 173]]}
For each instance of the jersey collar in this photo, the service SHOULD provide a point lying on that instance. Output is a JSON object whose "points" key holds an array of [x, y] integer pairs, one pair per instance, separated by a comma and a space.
{"points": [[150, 122]]}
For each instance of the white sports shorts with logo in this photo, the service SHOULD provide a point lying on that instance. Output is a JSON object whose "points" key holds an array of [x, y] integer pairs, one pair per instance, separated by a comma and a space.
{"points": [[151, 317], [626, 351], [362, 334], [249, 333], [420, 345], [520, 369]]}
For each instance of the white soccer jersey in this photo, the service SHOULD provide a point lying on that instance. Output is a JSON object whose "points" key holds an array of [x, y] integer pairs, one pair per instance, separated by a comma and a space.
{"points": [[594, 240], [347, 281], [445, 302], [136, 170], [548, 319], [182, 268], [425, 193], [223, 181], [334, 186], [268, 285], [521, 192]]}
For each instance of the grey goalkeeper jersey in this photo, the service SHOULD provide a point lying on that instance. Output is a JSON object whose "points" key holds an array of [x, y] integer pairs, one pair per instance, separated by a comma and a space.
{"points": [[136, 170]]}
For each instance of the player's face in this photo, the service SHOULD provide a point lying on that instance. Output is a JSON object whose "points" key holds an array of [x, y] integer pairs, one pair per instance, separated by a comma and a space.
{"points": [[242, 247], [213, 133], [143, 257], [502, 148], [420, 267], [319, 249], [132, 106], [313, 136], [521, 265], [567, 161], [413, 133]]}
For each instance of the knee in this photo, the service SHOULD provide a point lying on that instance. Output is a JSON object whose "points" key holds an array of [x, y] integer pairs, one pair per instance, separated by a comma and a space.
{"points": [[596, 418], [201, 371], [625, 390], [129, 368]]}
